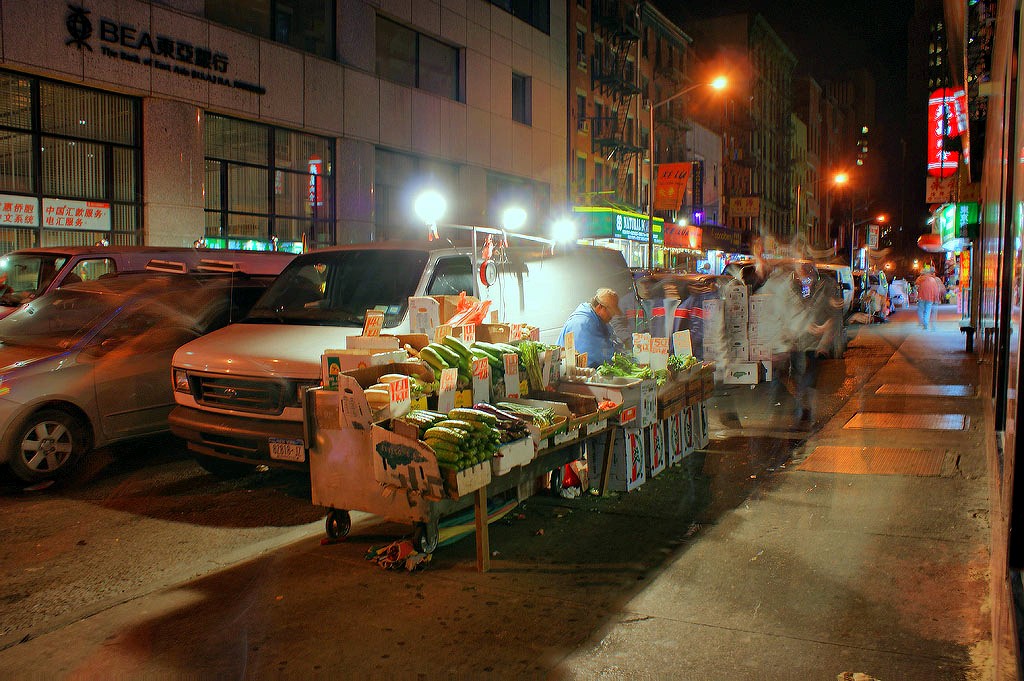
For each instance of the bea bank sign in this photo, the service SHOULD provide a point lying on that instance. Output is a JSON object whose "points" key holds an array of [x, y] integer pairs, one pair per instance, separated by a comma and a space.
{"points": [[151, 49]]}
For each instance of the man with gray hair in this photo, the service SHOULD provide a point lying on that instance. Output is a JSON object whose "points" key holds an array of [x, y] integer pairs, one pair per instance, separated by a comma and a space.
{"points": [[590, 324]]}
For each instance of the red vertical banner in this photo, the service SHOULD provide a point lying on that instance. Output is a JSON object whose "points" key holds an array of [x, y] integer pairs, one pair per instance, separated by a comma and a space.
{"points": [[947, 119], [670, 185]]}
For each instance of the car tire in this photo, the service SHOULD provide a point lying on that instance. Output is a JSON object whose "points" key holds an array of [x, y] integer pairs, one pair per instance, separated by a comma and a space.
{"points": [[45, 445]]}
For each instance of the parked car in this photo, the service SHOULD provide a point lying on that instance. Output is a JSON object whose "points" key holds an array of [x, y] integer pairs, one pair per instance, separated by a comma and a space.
{"points": [[89, 364], [29, 273]]}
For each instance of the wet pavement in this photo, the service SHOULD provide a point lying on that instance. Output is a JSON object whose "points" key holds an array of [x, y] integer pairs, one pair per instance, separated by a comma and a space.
{"points": [[781, 551]]}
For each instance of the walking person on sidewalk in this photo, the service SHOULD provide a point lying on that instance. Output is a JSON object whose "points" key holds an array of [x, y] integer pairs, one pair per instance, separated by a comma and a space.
{"points": [[930, 291]]}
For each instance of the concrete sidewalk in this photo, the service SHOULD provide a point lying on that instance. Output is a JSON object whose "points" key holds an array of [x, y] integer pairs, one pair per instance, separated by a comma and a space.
{"points": [[742, 564]]}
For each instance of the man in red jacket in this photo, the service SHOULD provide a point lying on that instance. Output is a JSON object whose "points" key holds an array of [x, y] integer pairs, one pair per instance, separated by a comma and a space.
{"points": [[930, 291]]}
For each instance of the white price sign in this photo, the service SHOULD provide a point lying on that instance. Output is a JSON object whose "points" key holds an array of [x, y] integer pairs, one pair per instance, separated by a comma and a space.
{"points": [[446, 390], [511, 374], [374, 323], [467, 333], [481, 380], [401, 398], [642, 348], [659, 353], [682, 346]]}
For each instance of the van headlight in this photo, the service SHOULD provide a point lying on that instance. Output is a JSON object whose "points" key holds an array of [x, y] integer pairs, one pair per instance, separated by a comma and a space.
{"points": [[181, 385]]}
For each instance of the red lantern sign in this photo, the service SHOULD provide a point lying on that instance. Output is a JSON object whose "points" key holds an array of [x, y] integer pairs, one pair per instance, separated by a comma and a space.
{"points": [[947, 118]]}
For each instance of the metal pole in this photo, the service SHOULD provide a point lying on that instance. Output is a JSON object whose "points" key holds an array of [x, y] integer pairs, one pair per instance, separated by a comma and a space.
{"points": [[650, 194], [798, 208], [853, 229]]}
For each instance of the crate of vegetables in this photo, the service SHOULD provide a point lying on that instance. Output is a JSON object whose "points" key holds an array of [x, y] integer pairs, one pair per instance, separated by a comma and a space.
{"points": [[582, 408], [544, 419], [463, 440]]}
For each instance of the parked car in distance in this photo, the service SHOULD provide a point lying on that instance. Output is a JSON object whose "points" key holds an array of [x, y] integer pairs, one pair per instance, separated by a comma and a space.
{"points": [[89, 364], [29, 273]]}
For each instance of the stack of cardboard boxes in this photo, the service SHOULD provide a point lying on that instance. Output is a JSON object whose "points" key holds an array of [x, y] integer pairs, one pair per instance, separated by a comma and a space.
{"points": [[739, 370], [763, 327]]}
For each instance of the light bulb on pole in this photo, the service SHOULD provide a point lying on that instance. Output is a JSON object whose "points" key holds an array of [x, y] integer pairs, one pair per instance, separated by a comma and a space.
{"points": [[718, 83]]}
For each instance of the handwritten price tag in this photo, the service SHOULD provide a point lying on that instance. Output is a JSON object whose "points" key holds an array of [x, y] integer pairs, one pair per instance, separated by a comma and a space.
{"points": [[642, 347], [581, 359], [659, 353], [681, 344], [481, 380], [570, 343], [467, 333], [374, 323], [511, 374], [441, 331], [446, 390], [516, 332], [401, 398]]}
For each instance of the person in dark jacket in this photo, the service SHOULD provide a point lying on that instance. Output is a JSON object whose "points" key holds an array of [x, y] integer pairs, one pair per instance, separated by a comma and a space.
{"points": [[590, 324]]}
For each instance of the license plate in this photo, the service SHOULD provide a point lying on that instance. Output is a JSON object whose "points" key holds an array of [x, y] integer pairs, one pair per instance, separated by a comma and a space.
{"points": [[287, 450]]}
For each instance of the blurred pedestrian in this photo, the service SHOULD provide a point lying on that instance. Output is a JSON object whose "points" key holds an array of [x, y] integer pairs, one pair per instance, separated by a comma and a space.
{"points": [[815, 308], [930, 291]]}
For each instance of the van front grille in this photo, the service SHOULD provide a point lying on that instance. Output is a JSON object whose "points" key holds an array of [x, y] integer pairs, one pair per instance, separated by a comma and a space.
{"points": [[258, 396]]}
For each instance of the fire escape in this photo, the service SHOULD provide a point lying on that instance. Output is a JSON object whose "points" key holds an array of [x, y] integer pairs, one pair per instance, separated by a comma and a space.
{"points": [[616, 136]]}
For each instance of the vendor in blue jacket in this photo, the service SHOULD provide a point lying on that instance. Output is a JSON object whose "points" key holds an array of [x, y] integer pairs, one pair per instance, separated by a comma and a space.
{"points": [[591, 327]]}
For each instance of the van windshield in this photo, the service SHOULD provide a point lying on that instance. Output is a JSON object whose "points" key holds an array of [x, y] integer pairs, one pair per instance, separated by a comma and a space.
{"points": [[23, 276], [336, 288]]}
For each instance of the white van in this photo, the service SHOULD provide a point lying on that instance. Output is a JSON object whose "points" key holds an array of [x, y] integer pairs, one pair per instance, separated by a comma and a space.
{"points": [[28, 273], [843, 275], [240, 388]]}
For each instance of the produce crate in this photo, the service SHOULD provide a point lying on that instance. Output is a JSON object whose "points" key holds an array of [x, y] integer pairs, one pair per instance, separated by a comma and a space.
{"points": [[511, 455], [460, 483], [629, 469], [582, 408], [694, 392], [562, 415]]}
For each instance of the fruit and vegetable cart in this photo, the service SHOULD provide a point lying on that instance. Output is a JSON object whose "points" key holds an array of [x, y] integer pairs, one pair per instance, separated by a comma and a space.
{"points": [[425, 465]]}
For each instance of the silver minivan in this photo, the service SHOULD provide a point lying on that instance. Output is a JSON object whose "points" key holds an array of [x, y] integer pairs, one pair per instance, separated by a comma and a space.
{"points": [[238, 390], [28, 273]]}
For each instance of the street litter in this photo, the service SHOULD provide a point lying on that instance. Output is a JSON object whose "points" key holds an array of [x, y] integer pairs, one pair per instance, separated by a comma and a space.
{"points": [[398, 554]]}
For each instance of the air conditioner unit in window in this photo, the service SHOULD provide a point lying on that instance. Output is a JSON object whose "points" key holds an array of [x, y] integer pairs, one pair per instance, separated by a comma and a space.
{"points": [[585, 127]]}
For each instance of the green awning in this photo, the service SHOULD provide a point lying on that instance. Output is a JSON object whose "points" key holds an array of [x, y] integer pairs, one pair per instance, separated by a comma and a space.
{"points": [[600, 222]]}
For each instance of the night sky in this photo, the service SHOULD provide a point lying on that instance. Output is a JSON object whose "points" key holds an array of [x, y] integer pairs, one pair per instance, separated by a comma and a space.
{"points": [[830, 37]]}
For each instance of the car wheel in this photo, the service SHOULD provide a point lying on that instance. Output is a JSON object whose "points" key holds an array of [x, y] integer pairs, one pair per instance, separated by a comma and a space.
{"points": [[45, 445], [222, 468]]}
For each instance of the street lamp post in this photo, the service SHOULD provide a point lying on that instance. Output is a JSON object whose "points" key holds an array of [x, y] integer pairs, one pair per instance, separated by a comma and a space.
{"points": [[718, 84]]}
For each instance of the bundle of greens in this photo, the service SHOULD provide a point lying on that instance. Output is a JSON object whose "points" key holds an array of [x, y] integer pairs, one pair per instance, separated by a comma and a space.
{"points": [[539, 416], [678, 363], [625, 366], [529, 359]]}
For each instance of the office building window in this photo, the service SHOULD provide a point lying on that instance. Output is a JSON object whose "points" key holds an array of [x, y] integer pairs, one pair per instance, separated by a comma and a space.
{"points": [[522, 99], [504, 191], [536, 13], [416, 60], [264, 183], [70, 162], [306, 25]]}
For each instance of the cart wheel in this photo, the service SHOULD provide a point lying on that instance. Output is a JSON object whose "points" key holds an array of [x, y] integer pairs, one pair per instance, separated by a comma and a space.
{"points": [[557, 480], [338, 524], [424, 538]]}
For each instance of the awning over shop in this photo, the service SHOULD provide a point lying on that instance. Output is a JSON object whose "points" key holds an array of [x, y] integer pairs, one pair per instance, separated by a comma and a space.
{"points": [[954, 225], [720, 238], [602, 222], [682, 236]]}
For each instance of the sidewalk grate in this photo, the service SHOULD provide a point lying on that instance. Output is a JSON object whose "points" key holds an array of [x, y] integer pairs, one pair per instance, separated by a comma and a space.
{"points": [[908, 421], [873, 461], [932, 390]]}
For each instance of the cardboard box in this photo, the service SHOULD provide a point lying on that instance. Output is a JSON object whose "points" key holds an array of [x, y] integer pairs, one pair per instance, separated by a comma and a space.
{"points": [[629, 461], [335, 361], [424, 315], [760, 304], [511, 455], [493, 333], [657, 451], [768, 365], [448, 306], [460, 483], [742, 373], [374, 343], [760, 351]]}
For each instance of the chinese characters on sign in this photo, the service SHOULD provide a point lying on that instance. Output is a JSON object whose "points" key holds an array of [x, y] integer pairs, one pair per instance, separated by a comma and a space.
{"points": [[87, 215], [672, 182], [130, 43], [20, 211]]}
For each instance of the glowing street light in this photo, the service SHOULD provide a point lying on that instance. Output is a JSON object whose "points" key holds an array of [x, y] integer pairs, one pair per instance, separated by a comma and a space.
{"points": [[430, 206], [513, 218], [564, 230]]}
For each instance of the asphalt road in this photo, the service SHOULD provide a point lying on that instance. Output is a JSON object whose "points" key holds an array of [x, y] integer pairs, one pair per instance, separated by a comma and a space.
{"points": [[132, 520]]}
